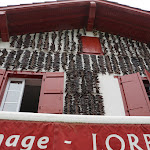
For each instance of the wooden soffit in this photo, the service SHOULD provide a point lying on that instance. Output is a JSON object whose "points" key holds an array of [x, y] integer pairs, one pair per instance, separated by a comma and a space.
{"points": [[101, 15]]}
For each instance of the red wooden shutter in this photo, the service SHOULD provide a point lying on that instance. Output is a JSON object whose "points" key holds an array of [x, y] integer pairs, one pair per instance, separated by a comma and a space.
{"points": [[51, 97], [91, 45], [134, 95], [2, 73], [148, 75]]}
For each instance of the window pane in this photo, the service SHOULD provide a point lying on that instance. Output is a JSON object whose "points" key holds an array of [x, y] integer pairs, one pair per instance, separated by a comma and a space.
{"points": [[15, 85], [12, 96], [10, 107]]}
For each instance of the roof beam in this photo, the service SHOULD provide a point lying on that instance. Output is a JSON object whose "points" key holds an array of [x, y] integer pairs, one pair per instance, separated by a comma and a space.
{"points": [[4, 26], [91, 18]]}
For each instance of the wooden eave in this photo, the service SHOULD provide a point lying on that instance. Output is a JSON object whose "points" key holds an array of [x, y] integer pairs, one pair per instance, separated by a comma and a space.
{"points": [[101, 15]]}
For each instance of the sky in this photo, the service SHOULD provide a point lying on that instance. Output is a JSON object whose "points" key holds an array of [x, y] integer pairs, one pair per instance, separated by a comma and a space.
{"points": [[142, 4]]}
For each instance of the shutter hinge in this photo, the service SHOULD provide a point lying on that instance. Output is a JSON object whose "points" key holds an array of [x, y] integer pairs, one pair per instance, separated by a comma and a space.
{"points": [[125, 82], [134, 108]]}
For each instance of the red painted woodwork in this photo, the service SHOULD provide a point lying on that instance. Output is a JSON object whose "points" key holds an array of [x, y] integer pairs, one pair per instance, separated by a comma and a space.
{"points": [[134, 95], [124, 21], [3, 82], [2, 73], [47, 17], [16, 74], [91, 18], [4, 26], [24, 74], [148, 75], [105, 16], [51, 96], [91, 45]]}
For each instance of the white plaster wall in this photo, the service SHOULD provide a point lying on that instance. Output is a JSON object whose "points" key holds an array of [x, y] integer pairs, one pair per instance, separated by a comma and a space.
{"points": [[4, 44], [113, 103], [110, 90], [109, 86]]}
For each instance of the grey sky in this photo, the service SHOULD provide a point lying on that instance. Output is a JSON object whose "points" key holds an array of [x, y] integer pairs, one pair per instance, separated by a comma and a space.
{"points": [[143, 4]]}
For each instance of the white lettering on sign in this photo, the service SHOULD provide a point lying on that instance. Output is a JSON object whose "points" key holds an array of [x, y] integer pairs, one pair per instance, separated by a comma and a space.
{"points": [[146, 140], [1, 138], [42, 141], [115, 136], [94, 142], [28, 145], [133, 143], [27, 142], [12, 140], [67, 142]]}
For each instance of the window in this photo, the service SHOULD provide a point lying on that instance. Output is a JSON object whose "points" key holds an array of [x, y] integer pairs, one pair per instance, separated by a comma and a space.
{"points": [[135, 94], [91, 45], [31, 92], [21, 95], [147, 87], [13, 95]]}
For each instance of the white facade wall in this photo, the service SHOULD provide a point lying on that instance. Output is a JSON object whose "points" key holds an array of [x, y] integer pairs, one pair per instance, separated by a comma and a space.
{"points": [[113, 103], [109, 86]]}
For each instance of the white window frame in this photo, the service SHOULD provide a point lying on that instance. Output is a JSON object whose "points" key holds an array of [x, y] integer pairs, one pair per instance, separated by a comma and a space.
{"points": [[20, 96]]}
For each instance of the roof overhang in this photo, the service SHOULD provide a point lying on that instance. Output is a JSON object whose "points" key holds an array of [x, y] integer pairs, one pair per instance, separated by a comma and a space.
{"points": [[101, 15]]}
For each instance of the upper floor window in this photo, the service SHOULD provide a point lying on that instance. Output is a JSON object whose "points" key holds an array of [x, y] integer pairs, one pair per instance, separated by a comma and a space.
{"points": [[91, 45], [147, 87], [135, 93], [21, 94], [33, 92]]}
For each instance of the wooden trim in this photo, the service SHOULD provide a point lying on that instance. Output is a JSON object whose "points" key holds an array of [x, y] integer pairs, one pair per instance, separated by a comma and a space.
{"points": [[144, 90], [41, 75], [18, 74], [25, 74], [4, 26], [57, 102], [137, 31], [91, 45], [66, 2], [100, 54], [55, 74], [123, 97], [6, 92], [47, 4], [148, 75], [91, 18]]}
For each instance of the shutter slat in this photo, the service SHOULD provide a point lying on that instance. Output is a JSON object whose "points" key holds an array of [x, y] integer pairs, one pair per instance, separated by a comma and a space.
{"points": [[53, 92], [51, 97], [135, 95]]}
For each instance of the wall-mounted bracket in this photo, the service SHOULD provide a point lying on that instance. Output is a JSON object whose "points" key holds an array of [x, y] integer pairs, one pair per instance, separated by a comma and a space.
{"points": [[4, 26]]}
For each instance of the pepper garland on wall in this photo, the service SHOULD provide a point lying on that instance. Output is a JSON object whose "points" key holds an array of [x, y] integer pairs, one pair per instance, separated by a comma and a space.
{"points": [[62, 50]]}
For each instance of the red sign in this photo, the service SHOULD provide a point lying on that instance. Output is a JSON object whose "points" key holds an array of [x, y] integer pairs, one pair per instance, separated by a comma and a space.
{"points": [[23, 135]]}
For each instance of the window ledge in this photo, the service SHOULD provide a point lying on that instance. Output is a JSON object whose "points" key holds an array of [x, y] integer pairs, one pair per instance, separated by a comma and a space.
{"points": [[20, 116]]}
